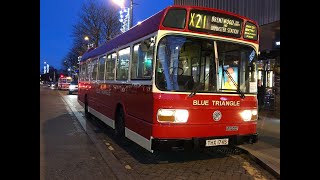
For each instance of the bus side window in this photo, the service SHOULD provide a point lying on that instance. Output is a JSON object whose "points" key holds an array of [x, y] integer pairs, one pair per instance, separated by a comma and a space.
{"points": [[123, 64], [142, 57]]}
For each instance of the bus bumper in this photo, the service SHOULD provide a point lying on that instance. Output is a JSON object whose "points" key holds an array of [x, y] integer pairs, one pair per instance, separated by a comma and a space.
{"points": [[196, 143]]}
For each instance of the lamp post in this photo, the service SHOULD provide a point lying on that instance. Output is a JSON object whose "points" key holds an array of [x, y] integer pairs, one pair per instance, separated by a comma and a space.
{"points": [[131, 13]]}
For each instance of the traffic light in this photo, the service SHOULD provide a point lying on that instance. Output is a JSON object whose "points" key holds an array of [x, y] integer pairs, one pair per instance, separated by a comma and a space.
{"points": [[61, 75]]}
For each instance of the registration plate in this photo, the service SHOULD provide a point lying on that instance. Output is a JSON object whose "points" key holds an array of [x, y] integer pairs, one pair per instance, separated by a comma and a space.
{"points": [[217, 142]]}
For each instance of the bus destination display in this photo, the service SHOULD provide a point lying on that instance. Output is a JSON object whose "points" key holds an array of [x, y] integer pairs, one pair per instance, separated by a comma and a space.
{"points": [[215, 23], [250, 31]]}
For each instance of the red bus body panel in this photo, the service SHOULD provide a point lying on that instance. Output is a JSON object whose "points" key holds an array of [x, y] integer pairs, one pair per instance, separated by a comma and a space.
{"points": [[200, 122]]}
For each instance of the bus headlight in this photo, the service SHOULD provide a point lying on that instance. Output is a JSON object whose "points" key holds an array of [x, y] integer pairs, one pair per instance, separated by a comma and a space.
{"points": [[249, 115], [172, 115]]}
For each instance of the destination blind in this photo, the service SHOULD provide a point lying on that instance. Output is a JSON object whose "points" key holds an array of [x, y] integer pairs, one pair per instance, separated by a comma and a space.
{"points": [[215, 23], [250, 31]]}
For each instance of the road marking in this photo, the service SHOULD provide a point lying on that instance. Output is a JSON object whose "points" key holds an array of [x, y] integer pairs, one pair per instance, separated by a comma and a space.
{"points": [[251, 170], [127, 167]]}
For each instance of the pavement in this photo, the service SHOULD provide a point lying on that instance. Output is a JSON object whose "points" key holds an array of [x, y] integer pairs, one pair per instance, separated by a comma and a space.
{"points": [[266, 152], [66, 151]]}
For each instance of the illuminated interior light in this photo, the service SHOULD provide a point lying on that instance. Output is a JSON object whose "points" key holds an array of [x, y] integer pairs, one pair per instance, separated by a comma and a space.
{"points": [[124, 51], [271, 79]]}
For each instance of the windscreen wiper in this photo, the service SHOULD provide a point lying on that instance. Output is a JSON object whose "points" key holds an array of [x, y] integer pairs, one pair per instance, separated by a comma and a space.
{"points": [[234, 82]]}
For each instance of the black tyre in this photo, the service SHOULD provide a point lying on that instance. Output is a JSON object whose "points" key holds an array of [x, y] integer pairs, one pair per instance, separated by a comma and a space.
{"points": [[70, 92], [120, 119]]}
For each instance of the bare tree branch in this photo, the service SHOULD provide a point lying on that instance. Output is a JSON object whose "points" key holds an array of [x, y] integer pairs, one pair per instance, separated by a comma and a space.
{"points": [[97, 21]]}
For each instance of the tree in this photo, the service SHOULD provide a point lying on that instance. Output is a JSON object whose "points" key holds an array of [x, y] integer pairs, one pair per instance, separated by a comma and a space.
{"points": [[97, 21], [90, 22], [110, 23]]}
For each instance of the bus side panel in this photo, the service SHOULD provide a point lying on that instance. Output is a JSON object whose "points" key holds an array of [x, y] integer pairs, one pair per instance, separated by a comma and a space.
{"points": [[82, 91], [105, 100], [81, 94], [139, 108], [92, 97]]}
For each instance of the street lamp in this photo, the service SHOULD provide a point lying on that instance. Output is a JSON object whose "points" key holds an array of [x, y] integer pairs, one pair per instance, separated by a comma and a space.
{"points": [[121, 4], [86, 38]]}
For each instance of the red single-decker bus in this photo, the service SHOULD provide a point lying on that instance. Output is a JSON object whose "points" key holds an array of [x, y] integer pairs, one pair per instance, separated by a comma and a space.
{"points": [[185, 77]]}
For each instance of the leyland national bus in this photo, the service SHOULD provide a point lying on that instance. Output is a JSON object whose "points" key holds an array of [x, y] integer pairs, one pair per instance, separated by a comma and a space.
{"points": [[184, 78]]}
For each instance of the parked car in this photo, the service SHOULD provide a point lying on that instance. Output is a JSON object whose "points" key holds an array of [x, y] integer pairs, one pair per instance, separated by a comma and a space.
{"points": [[52, 85], [73, 87]]}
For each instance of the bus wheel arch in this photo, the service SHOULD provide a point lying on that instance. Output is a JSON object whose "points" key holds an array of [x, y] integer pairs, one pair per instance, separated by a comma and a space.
{"points": [[120, 121]]}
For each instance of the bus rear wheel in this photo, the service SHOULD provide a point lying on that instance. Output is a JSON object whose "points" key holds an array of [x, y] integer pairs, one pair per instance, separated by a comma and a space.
{"points": [[120, 119]]}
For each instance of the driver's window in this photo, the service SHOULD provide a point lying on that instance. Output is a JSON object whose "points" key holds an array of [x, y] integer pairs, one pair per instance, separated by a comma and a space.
{"points": [[174, 68], [142, 58]]}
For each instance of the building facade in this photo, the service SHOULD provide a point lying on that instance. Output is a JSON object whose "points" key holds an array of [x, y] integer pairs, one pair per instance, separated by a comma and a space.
{"points": [[267, 14]]}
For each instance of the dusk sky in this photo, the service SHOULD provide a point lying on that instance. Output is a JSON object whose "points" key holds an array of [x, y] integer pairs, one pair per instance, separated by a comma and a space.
{"points": [[57, 18]]}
